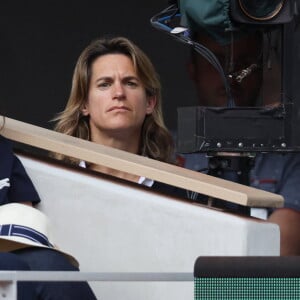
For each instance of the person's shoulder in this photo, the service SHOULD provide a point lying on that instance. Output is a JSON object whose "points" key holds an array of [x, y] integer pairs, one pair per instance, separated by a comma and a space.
{"points": [[281, 158], [169, 189], [5, 145]]}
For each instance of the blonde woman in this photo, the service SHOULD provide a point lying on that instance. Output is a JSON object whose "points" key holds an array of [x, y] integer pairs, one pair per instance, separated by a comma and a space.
{"points": [[115, 100]]}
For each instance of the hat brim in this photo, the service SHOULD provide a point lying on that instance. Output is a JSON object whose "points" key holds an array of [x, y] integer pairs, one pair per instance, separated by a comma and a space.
{"points": [[34, 223], [12, 243]]}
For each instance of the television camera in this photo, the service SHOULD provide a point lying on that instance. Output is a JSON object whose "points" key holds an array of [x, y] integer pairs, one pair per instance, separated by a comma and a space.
{"points": [[231, 134]]}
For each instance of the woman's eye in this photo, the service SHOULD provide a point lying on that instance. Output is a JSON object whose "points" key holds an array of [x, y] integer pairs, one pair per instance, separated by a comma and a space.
{"points": [[132, 83], [103, 84]]}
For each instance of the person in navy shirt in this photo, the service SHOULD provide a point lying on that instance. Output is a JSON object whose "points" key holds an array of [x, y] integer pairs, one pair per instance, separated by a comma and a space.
{"points": [[16, 187]]}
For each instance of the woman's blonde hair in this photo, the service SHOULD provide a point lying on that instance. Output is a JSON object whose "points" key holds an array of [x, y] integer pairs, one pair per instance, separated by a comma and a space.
{"points": [[156, 141]]}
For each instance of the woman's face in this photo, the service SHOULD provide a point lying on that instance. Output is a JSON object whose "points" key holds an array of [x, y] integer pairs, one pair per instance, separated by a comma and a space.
{"points": [[117, 103]]}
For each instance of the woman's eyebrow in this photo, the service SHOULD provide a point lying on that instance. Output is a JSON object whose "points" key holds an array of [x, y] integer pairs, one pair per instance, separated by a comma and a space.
{"points": [[103, 78], [131, 77]]}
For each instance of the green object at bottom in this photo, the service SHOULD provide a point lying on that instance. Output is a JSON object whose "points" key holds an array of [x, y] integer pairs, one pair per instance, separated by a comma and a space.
{"points": [[246, 288]]}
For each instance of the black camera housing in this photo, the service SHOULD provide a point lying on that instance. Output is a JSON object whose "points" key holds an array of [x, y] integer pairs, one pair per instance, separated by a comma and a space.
{"points": [[258, 12]]}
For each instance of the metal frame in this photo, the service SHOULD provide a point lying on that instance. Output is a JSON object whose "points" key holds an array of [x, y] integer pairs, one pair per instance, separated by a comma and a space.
{"points": [[9, 279]]}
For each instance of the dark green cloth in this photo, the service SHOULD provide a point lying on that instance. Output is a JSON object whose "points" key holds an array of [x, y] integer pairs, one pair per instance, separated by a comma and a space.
{"points": [[211, 16], [214, 17]]}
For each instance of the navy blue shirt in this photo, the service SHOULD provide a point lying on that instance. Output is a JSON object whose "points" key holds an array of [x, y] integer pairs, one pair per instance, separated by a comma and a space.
{"points": [[15, 184]]}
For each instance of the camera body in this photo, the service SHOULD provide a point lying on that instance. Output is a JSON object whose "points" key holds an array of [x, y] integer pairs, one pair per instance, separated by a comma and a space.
{"points": [[262, 128]]}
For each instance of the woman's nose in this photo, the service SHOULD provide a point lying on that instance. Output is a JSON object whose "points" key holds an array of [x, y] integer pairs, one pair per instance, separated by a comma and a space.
{"points": [[119, 92]]}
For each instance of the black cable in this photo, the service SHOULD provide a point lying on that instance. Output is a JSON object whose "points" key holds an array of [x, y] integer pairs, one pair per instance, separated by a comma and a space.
{"points": [[160, 21]]}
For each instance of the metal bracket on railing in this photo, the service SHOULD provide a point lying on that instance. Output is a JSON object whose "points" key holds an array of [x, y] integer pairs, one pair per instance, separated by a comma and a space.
{"points": [[8, 290], [8, 285]]}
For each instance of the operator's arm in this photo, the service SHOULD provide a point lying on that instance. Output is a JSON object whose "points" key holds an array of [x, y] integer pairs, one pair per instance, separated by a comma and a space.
{"points": [[281, 174]]}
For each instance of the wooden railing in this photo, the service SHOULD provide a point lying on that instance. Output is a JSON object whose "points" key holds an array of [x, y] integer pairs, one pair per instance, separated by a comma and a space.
{"points": [[138, 165]]}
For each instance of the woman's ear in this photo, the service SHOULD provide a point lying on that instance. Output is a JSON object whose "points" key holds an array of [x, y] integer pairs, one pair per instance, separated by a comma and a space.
{"points": [[151, 103], [84, 110]]}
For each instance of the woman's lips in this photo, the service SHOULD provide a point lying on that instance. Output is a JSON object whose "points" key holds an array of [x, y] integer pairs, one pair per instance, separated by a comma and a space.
{"points": [[118, 108]]}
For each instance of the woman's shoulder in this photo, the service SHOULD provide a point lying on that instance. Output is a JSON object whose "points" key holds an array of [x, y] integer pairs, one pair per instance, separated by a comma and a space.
{"points": [[169, 189]]}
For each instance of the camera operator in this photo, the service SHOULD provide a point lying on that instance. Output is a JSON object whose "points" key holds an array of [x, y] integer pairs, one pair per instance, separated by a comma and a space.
{"points": [[277, 173]]}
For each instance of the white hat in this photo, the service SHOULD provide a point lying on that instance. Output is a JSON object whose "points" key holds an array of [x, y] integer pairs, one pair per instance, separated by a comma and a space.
{"points": [[23, 226]]}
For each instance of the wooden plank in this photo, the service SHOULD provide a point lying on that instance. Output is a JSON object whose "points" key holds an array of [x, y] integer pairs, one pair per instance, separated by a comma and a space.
{"points": [[142, 166]]}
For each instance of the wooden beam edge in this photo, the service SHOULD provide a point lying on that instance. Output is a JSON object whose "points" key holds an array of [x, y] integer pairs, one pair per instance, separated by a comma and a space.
{"points": [[142, 166]]}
